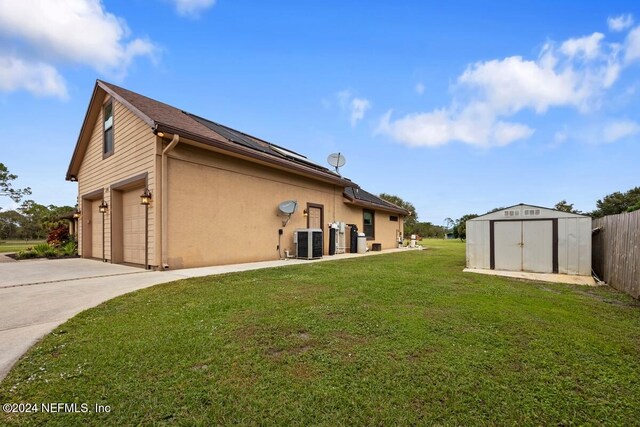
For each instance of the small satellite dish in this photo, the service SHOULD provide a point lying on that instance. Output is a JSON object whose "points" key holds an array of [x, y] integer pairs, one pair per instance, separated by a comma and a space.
{"points": [[288, 207], [337, 160]]}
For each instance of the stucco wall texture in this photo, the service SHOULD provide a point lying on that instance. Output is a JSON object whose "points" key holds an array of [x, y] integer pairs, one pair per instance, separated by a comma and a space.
{"points": [[221, 209]]}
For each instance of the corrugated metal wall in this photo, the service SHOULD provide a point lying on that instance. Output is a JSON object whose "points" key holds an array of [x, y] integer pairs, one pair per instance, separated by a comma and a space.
{"points": [[574, 241]]}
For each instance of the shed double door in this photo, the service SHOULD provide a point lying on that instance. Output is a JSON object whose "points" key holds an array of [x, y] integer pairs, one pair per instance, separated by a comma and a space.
{"points": [[524, 246]]}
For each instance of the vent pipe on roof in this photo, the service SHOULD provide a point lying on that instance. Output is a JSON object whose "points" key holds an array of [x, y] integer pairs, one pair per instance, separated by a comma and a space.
{"points": [[165, 203]]}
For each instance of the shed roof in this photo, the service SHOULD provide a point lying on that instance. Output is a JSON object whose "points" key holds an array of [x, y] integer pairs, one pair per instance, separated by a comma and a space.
{"points": [[533, 211]]}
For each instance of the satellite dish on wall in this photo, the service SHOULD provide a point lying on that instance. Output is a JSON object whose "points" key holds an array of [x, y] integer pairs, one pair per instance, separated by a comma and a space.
{"points": [[288, 207], [337, 160]]}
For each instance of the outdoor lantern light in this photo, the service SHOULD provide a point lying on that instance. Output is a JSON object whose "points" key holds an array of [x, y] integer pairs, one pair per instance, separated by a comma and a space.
{"points": [[305, 213], [145, 197], [103, 207], [76, 214]]}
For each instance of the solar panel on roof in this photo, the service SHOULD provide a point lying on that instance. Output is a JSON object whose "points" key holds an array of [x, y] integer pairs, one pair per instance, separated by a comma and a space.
{"points": [[229, 133], [245, 140]]}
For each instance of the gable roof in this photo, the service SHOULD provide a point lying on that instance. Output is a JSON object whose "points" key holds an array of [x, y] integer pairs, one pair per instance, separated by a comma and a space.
{"points": [[161, 117], [500, 212], [363, 198]]}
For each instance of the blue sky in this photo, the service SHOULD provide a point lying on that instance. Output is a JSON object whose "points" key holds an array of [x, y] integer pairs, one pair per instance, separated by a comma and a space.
{"points": [[456, 108]]}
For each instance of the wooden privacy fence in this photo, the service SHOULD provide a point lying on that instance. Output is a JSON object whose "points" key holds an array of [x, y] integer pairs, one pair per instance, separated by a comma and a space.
{"points": [[616, 251]]}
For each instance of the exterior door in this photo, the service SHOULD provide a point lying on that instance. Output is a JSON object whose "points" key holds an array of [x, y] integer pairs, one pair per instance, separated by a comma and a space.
{"points": [[524, 246], [314, 220], [508, 249], [537, 239], [133, 232], [96, 229]]}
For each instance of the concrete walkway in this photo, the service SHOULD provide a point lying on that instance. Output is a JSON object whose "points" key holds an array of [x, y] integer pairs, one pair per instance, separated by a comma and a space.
{"points": [[37, 296], [540, 277]]}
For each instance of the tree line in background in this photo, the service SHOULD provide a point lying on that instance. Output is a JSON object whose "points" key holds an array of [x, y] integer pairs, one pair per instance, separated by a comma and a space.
{"points": [[33, 221], [612, 204], [30, 221]]}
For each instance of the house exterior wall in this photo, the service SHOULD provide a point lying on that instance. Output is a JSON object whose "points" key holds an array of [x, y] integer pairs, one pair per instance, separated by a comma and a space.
{"points": [[98, 177], [224, 210], [386, 231]]}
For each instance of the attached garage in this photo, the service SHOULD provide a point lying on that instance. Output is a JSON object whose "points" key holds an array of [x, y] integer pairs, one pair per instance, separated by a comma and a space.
{"points": [[531, 239]]}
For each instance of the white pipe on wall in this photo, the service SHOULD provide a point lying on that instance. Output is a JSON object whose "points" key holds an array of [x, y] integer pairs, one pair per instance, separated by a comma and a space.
{"points": [[165, 202]]}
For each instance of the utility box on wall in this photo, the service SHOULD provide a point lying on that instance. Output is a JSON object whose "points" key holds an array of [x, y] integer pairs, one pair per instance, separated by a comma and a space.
{"points": [[532, 239]]}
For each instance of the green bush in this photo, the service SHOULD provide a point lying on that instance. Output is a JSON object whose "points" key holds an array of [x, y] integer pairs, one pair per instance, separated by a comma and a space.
{"points": [[45, 250], [27, 254], [69, 249]]}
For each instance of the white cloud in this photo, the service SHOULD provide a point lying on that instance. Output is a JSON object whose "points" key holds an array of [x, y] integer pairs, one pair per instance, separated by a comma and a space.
{"points": [[36, 77], [587, 47], [620, 129], [632, 46], [356, 107], [192, 7], [71, 31], [420, 88], [472, 126], [620, 23], [575, 74], [513, 83]]}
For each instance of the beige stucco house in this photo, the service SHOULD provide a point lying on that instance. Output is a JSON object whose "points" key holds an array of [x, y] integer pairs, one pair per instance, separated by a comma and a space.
{"points": [[214, 190]]}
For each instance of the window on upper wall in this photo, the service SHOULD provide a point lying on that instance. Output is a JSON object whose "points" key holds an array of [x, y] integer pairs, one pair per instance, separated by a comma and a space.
{"points": [[393, 218], [368, 222], [107, 145]]}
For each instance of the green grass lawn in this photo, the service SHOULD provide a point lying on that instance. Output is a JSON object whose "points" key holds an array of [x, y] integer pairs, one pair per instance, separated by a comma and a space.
{"points": [[397, 339], [17, 245]]}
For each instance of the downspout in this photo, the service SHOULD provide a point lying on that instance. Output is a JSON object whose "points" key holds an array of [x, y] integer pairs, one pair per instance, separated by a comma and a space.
{"points": [[165, 202]]}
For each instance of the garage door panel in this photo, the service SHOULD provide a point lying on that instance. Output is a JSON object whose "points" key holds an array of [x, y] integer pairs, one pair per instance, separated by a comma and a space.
{"points": [[537, 246], [508, 251], [133, 232]]}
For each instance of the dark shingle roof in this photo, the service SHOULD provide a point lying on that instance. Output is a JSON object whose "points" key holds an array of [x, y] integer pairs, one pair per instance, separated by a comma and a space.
{"points": [[364, 197], [162, 115]]}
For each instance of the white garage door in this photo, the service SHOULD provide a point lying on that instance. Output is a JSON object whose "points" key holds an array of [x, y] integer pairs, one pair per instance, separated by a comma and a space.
{"points": [[524, 246], [133, 237], [96, 229]]}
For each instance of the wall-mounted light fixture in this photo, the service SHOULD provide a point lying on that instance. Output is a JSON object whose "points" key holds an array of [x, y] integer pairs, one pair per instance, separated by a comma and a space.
{"points": [[305, 213], [145, 200], [145, 197], [76, 213], [103, 207]]}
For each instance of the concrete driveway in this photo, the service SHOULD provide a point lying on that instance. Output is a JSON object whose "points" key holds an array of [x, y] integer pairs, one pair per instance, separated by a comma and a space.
{"points": [[38, 295]]}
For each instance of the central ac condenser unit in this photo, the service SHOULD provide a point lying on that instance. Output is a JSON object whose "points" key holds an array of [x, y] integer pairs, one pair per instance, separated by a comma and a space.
{"points": [[308, 243]]}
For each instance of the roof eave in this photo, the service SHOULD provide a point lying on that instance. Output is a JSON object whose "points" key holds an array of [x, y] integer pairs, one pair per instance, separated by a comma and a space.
{"points": [[257, 156], [78, 152], [364, 204]]}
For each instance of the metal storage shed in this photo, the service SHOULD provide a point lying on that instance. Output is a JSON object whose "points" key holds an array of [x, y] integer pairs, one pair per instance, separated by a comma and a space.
{"points": [[530, 238]]}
